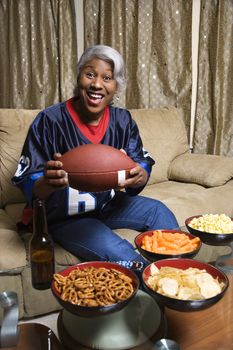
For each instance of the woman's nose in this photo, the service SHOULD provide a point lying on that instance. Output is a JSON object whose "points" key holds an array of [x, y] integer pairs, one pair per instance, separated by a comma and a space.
{"points": [[96, 82]]}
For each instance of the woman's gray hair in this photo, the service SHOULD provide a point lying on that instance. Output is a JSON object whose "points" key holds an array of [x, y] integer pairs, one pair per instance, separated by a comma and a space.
{"points": [[108, 54]]}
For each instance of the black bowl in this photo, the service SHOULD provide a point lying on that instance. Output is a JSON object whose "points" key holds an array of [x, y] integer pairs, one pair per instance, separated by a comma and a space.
{"points": [[185, 305], [92, 311], [158, 256], [207, 237]]}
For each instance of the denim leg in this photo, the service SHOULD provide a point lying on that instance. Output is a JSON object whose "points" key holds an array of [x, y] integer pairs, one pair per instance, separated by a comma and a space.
{"points": [[91, 239], [138, 213]]}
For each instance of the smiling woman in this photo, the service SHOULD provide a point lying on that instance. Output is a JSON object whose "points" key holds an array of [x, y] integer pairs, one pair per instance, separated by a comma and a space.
{"points": [[83, 222]]}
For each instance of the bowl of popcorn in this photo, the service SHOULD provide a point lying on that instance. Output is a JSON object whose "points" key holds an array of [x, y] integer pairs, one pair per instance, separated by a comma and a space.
{"points": [[212, 229], [184, 284], [94, 288], [162, 244]]}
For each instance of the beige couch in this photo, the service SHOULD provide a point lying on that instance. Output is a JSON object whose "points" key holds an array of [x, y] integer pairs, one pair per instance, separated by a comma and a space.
{"points": [[187, 183]]}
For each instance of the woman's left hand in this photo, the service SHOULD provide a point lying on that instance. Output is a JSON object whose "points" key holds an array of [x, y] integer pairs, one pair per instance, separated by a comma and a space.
{"points": [[138, 178]]}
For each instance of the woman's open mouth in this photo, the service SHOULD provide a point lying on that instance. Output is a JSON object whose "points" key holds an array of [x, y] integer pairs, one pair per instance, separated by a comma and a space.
{"points": [[94, 99]]}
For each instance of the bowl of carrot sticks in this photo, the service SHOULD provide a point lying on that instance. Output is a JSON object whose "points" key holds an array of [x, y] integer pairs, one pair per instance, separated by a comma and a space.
{"points": [[163, 244]]}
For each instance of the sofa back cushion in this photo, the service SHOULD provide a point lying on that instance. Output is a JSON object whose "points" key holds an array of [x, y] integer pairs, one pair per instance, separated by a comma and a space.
{"points": [[14, 124], [164, 136]]}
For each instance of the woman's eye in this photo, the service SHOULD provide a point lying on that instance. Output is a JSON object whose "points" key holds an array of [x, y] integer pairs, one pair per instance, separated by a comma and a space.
{"points": [[90, 75], [107, 78]]}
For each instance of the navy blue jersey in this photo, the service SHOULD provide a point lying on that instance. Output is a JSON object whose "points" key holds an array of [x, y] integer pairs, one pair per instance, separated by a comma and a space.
{"points": [[54, 131]]}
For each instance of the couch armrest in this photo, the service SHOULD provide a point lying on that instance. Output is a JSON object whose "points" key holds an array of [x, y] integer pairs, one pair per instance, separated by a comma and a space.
{"points": [[203, 169]]}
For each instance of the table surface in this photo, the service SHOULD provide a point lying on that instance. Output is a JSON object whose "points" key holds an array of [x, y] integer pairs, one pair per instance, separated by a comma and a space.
{"points": [[207, 329], [35, 336]]}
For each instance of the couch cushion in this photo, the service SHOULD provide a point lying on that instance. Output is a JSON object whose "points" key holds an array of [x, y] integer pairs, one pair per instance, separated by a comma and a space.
{"points": [[208, 201], [204, 169], [12, 251], [168, 189], [6, 222], [14, 211], [14, 124], [164, 137]]}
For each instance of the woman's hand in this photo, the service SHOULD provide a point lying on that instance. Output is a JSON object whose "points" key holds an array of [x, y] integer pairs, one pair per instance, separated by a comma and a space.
{"points": [[53, 173], [138, 178], [54, 179]]}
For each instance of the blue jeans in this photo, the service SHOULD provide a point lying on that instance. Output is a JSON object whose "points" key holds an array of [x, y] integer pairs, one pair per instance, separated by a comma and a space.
{"points": [[91, 236]]}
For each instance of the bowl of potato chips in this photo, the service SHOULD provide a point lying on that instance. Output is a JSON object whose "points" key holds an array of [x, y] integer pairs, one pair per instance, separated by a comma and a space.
{"points": [[184, 284], [212, 229], [94, 288], [162, 244]]}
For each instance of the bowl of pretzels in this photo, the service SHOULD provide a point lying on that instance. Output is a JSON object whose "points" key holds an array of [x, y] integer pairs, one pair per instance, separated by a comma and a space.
{"points": [[94, 288]]}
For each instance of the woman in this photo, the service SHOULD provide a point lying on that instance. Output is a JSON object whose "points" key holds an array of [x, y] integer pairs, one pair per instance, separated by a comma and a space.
{"points": [[83, 222]]}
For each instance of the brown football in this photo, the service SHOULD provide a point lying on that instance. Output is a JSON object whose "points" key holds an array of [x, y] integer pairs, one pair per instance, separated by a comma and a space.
{"points": [[96, 167]]}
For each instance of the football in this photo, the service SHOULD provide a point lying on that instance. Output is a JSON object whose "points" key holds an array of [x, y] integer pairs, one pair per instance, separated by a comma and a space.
{"points": [[96, 167]]}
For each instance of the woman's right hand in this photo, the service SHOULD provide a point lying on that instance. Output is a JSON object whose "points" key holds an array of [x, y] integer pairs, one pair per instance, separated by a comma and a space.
{"points": [[53, 173], [55, 178]]}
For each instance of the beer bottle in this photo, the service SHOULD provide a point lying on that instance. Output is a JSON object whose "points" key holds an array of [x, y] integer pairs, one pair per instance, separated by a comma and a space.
{"points": [[41, 249]]}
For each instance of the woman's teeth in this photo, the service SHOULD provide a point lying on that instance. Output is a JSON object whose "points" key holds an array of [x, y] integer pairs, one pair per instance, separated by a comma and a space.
{"points": [[95, 96]]}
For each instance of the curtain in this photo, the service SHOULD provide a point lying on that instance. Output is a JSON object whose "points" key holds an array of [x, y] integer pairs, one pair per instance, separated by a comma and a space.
{"points": [[38, 52], [154, 38], [214, 111]]}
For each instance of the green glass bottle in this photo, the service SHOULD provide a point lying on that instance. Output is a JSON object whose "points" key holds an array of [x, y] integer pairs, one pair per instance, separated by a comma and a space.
{"points": [[41, 249]]}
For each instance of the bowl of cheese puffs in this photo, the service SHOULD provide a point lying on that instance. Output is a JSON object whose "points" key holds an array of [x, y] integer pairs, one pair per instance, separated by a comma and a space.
{"points": [[184, 284], [163, 244], [94, 288], [212, 229]]}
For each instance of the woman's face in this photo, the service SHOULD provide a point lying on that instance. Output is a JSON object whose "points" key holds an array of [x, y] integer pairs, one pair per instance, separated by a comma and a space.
{"points": [[96, 88]]}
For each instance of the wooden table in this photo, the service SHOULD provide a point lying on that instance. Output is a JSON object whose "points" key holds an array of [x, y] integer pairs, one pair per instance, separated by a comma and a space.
{"points": [[35, 336], [209, 329]]}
